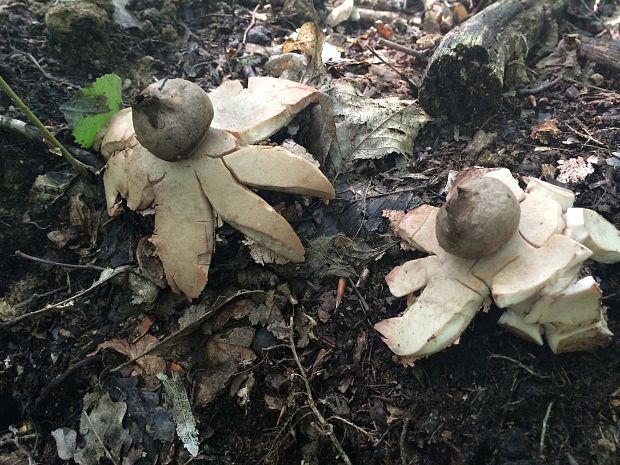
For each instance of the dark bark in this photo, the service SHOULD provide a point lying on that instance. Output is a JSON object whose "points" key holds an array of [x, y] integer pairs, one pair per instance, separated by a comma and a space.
{"points": [[605, 52], [465, 76]]}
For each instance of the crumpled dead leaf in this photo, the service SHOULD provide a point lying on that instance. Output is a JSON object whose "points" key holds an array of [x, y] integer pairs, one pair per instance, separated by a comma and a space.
{"points": [[560, 63], [231, 346], [309, 42], [304, 329], [17, 457], [150, 364], [545, 131], [225, 352], [372, 128], [340, 256], [193, 319], [274, 403], [368, 201], [103, 431], [563, 60], [269, 311], [80, 215], [235, 310], [263, 255], [395, 413]]}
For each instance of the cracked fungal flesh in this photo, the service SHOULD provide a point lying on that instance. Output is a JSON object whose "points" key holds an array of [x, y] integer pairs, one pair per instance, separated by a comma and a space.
{"points": [[533, 276], [214, 179]]}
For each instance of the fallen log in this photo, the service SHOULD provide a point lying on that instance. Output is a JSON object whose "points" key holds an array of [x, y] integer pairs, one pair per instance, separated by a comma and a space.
{"points": [[465, 76], [605, 52]]}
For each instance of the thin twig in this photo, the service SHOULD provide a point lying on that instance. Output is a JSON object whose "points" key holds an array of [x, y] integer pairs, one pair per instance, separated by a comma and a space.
{"points": [[404, 456], [35, 296], [31, 133], [185, 329], [20, 127], [519, 364], [589, 86], [394, 192], [47, 390], [401, 48], [252, 24], [363, 303], [327, 427], [47, 75], [373, 439], [389, 65], [585, 136], [85, 170], [67, 301], [542, 87], [88, 266], [543, 430], [15, 440], [280, 434]]}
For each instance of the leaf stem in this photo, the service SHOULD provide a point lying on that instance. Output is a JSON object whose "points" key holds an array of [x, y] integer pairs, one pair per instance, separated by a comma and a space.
{"points": [[85, 170]]}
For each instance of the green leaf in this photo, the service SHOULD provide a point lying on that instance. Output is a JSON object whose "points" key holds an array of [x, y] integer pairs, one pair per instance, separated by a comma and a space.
{"points": [[92, 107]]}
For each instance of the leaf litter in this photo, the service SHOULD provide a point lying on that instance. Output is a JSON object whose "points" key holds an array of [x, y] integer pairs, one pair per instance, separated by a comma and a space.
{"points": [[418, 421]]}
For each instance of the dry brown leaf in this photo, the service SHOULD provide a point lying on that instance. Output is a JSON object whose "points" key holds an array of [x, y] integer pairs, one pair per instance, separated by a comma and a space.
{"points": [[395, 413], [274, 403], [545, 131], [61, 237], [150, 364], [459, 11], [209, 384], [235, 310], [225, 352], [103, 431], [384, 30], [144, 326], [231, 346], [369, 128], [309, 42]]}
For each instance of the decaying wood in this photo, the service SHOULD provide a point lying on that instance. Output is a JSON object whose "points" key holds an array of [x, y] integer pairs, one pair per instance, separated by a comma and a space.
{"points": [[387, 5], [369, 16], [605, 52], [466, 74]]}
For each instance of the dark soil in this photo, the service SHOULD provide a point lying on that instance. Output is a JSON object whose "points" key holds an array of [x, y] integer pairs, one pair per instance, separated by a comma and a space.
{"points": [[484, 401]]}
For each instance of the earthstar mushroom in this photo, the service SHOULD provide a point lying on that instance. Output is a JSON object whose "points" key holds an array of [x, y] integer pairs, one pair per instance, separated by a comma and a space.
{"points": [[479, 218], [533, 275], [171, 117], [203, 172]]}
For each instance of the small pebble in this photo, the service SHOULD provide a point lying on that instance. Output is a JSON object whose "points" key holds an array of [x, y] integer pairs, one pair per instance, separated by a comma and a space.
{"points": [[597, 79], [259, 35], [262, 340]]}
